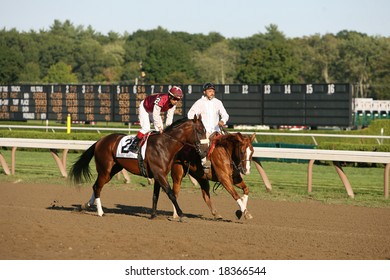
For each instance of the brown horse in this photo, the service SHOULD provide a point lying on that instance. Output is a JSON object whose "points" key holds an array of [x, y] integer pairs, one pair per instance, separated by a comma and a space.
{"points": [[230, 158], [159, 155]]}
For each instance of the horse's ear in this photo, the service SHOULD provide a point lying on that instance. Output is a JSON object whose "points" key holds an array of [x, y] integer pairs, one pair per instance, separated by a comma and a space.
{"points": [[197, 117], [239, 137], [253, 137]]}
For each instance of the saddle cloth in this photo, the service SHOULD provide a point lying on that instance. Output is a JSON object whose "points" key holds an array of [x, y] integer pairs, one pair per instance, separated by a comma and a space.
{"points": [[122, 150]]}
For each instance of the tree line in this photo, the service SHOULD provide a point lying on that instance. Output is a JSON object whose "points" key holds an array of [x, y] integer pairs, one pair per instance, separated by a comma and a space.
{"points": [[74, 54]]}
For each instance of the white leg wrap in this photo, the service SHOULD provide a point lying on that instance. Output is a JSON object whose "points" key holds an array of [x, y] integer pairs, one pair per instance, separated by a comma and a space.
{"points": [[244, 199], [175, 216], [248, 162], [204, 160], [99, 207], [91, 200], [241, 204]]}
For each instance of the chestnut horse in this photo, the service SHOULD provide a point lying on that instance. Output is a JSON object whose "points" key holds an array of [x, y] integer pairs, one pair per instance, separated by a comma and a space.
{"points": [[159, 155], [230, 158]]}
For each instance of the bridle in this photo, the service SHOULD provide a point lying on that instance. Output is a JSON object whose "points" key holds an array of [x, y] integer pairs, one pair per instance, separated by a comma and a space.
{"points": [[242, 159], [241, 164], [198, 141]]}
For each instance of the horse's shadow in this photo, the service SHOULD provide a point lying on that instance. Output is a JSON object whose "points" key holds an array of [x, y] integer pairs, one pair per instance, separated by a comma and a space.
{"points": [[134, 211]]}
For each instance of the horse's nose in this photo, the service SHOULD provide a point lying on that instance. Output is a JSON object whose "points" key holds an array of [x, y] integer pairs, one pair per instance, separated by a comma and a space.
{"points": [[203, 152]]}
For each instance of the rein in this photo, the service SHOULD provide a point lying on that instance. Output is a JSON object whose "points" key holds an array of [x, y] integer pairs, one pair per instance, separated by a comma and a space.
{"points": [[173, 138], [223, 130], [197, 140]]}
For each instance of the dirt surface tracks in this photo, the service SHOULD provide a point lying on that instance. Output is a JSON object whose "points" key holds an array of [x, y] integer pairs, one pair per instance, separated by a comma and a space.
{"points": [[42, 222]]}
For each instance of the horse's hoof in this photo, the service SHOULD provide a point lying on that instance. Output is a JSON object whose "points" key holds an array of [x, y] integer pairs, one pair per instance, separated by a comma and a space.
{"points": [[175, 217], [153, 216], [178, 219], [238, 214], [247, 215], [85, 206], [218, 217]]}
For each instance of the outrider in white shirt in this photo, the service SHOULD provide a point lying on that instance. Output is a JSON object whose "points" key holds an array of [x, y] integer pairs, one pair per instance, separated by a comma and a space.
{"points": [[211, 110]]}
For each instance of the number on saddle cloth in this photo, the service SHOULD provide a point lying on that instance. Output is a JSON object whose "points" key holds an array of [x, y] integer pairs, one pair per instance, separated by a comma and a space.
{"points": [[127, 141], [123, 149]]}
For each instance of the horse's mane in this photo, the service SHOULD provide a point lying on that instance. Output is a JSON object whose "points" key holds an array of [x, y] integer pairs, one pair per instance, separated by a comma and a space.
{"points": [[175, 124], [227, 139]]}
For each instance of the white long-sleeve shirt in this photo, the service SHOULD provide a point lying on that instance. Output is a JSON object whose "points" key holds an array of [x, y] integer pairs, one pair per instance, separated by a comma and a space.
{"points": [[157, 121], [212, 111]]}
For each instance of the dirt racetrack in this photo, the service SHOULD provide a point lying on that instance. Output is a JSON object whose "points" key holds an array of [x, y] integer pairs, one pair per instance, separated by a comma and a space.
{"points": [[41, 222]]}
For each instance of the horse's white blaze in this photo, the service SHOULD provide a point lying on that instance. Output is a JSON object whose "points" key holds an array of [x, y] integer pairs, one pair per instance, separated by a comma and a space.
{"points": [[99, 207], [248, 162]]}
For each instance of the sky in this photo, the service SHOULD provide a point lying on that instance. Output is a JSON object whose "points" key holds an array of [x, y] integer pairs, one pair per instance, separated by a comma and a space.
{"points": [[230, 18]]}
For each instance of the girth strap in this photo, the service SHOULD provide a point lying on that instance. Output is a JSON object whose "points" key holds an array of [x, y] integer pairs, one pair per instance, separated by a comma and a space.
{"points": [[141, 165], [141, 162]]}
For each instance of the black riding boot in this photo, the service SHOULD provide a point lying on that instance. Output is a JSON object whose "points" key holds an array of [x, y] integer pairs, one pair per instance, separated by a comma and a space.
{"points": [[134, 146]]}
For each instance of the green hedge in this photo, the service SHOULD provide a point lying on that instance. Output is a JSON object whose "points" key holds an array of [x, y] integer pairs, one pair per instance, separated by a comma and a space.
{"points": [[35, 134], [354, 147]]}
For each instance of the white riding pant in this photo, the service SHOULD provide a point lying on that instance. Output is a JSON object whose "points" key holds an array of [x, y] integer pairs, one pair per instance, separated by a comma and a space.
{"points": [[145, 118]]}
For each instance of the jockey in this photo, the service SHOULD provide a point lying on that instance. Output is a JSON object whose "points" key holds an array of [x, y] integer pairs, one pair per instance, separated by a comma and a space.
{"points": [[150, 109], [212, 111]]}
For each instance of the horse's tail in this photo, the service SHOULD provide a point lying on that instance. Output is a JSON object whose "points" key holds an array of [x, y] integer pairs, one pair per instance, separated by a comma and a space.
{"points": [[80, 170]]}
